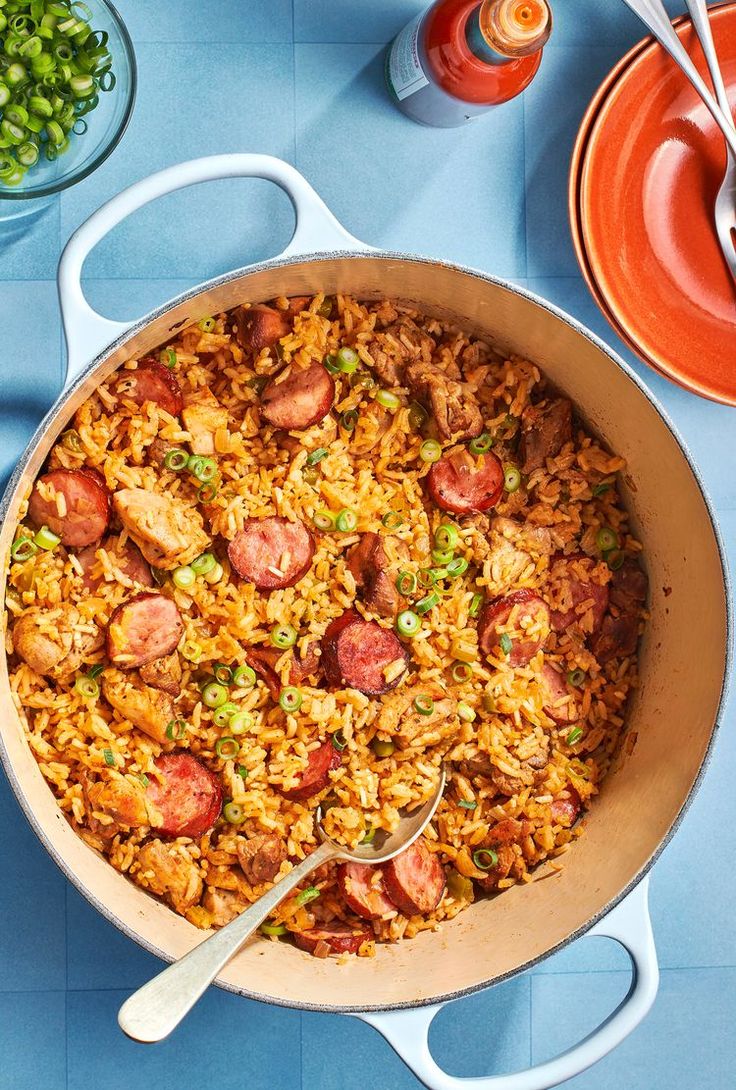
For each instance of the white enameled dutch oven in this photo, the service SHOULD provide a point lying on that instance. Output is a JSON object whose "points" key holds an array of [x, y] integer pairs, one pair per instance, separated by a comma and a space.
{"points": [[602, 889]]}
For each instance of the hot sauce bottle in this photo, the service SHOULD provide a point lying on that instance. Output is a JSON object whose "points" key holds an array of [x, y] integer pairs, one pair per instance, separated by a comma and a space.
{"points": [[459, 58]]}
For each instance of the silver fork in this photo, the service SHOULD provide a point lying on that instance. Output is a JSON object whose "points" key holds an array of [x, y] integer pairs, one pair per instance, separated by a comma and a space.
{"points": [[654, 16]]}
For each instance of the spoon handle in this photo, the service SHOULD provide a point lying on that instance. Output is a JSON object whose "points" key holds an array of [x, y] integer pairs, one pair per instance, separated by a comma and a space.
{"points": [[151, 1013], [699, 15], [654, 16]]}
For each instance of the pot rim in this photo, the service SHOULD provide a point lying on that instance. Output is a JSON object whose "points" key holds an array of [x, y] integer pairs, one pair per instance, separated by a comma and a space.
{"points": [[394, 255]]}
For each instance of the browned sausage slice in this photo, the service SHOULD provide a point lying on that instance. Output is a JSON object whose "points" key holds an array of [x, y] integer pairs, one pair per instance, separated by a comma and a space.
{"points": [[316, 775], [357, 653], [558, 701], [298, 397], [463, 483], [415, 880], [263, 660], [364, 892], [530, 610], [128, 558], [272, 552], [338, 938], [151, 381], [73, 503], [259, 326], [566, 807], [142, 629], [186, 793]]}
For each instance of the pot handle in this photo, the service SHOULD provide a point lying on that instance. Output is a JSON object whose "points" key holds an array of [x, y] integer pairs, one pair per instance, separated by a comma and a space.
{"points": [[88, 332], [628, 923]]}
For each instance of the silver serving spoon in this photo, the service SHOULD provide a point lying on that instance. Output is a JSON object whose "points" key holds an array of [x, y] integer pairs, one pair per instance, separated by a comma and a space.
{"points": [[151, 1013]]}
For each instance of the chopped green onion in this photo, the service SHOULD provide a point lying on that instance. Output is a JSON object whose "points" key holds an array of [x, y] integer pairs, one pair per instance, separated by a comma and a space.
{"points": [[206, 324], [221, 716], [144, 779], [600, 489], [430, 451], [442, 556], [339, 741], [370, 835], [466, 712], [423, 704], [167, 356], [214, 695], [323, 520], [576, 678], [191, 651], [388, 400], [227, 748], [239, 722], [382, 747], [467, 804], [72, 440], [109, 758], [461, 672], [615, 559], [204, 469], [216, 574], [506, 643], [425, 604], [242, 771], [184, 577], [446, 537], [23, 549], [95, 671], [290, 699], [316, 456], [311, 893], [418, 415], [408, 623], [310, 474], [475, 603], [485, 858], [87, 688], [348, 360], [283, 636], [45, 540], [222, 673], [346, 521], [489, 702], [273, 929], [325, 308], [244, 677], [349, 419], [429, 576], [481, 444], [361, 379], [574, 736], [176, 459], [176, 729], [511, 478], [233, 812], [606, 539], [332, 365], [457, 567], [406, 583], [392, 520], [203, 564], [207, 492]]}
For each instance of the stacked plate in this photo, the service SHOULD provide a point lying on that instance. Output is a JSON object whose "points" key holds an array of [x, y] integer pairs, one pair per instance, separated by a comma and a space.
{"points": [[647, 164]]}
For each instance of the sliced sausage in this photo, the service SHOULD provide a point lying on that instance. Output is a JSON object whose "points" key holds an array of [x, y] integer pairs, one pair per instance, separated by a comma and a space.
{"points": [[357, 653], [558, 701], [259, 326], [545, 429], [463, 483], [73, 503], [163, 674], [263, 660], [272, 553], [581, 590], [128, 558], [415, 880], [298, 397], [530, 610], [363, 890], [336, 938], [566, 807], [372, 570], [260, 857], [186, 793], [151, 381], [142, 629], [316, 775]]}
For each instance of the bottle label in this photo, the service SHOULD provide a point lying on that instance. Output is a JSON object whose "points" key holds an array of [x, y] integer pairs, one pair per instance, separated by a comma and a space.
{"points": [[404, 68]]}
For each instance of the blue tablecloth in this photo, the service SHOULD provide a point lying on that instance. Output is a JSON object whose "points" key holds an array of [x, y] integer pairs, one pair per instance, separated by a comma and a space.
{"points": [[303, 81]]}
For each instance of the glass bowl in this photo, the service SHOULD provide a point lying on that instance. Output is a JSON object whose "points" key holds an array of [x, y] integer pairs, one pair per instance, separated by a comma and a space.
{"points": [[105, 124]]}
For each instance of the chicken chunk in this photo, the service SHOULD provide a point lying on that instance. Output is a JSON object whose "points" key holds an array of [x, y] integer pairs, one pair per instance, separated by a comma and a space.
{"points": [[167, 871], [120, 800], [167, 533], [147, 708], [260, 857], [407, 726], [373, 563], [223, 905], [163, 674], [545, 429], [398, 344], [203, 416], [55, 642], [451, 404], [512, 549]]}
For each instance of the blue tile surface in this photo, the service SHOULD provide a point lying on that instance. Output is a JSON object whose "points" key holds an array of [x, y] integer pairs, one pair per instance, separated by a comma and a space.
{"points": [[303, 80]]}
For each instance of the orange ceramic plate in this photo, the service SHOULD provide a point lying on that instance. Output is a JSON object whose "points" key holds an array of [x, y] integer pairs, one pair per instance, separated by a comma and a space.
{"points": [[651, 168]]}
